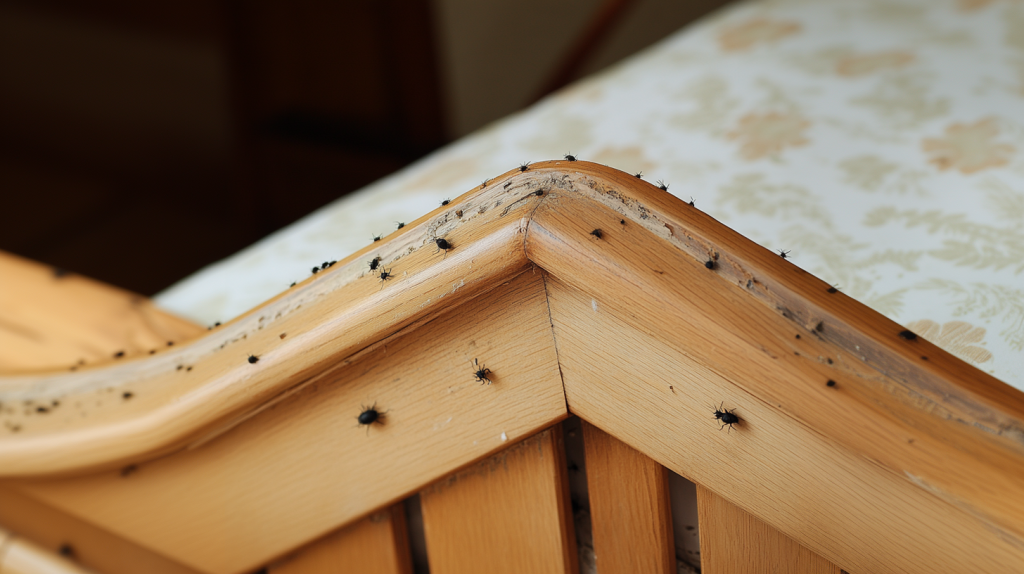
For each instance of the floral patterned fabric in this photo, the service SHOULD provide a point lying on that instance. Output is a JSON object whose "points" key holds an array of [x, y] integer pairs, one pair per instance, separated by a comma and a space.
{"points": [[881, 142]]}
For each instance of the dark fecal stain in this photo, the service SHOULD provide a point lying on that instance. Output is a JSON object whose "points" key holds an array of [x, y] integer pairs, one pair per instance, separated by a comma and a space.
{"points": [[118, 354], [923, 358], [908, 335], [152, 351], [820, 326], [798, 336], [170, 343], [188, 368], [179, 367], [130, 469], [829, 361], [66, 551], [830, 383], [126, 395], [42, 410]]}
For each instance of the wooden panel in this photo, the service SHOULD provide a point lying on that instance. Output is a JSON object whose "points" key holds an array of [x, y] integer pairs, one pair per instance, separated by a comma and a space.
{"points": [[377, 544], [508, 514], [734, 542], [50, 319], [302, 468], [91, 546], [19, 556], [187, 393], [630, 508], [718, 339], [838, 503]]}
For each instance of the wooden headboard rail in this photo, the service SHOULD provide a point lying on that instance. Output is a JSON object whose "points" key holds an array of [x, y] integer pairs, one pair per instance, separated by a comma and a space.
{"points": [[585, 290]]}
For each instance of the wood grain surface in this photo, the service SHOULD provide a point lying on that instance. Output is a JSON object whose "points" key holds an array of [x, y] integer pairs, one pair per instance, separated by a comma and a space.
{"points": [[734, 542], [504, 515], [377, 544], [630, 508], [302, 467]]}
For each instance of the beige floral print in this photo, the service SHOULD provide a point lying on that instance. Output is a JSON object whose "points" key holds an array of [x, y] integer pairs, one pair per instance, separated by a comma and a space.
{"points": [[862, 65], [968, 147], [763, 135], [759, 31], [956, 337]]}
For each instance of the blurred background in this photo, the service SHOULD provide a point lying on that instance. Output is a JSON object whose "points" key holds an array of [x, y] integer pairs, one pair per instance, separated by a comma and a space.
{"points": [[141, 141]]}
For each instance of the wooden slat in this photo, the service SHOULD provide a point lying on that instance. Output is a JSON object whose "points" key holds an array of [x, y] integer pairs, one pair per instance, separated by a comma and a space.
{"points": [[90, 546], [50, 319], [734, 542], [630, 508], [302, 468], [377, 544], [506, 515]]}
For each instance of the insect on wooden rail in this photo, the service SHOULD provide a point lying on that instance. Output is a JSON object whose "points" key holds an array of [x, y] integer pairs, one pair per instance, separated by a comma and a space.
{"points": [[726, 417]]}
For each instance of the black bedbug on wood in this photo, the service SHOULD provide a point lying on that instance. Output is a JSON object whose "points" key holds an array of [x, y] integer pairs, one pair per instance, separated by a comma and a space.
{"points": [[570, 157], [639, 175], [374, 263], [539, 192], [833, 289], [399, 224], [726, 417], [385, 274], [830, 383], [908, 335], [378, 237], [662, 185], [443, 245], [292, 285], [481, 372], [524, 166], [445, 202], [710, 263], [253, 359], [692, 202], [784, 254], [325, 265], [597, 233], [315, 270], [370, 415]]}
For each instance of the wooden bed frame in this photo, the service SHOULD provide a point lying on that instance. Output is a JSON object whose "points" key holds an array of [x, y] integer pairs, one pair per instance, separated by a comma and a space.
{"points": [[859, 446]]}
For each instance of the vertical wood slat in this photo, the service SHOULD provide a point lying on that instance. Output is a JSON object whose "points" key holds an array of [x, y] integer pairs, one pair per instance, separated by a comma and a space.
{"points": [[733, 541], [506, 514], [377, 544], [630, 508]]}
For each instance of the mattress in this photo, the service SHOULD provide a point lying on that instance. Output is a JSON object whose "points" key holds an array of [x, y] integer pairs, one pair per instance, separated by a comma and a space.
{"points": [[879, 143]]}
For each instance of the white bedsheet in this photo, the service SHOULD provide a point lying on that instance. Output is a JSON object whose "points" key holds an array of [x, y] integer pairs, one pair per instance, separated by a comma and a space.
{"points": [[880, 142]]}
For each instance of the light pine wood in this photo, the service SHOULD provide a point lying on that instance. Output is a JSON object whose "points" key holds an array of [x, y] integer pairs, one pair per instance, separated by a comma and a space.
{"points": [[50, 319], [734, 542], [19, 556], [304, 466], [630, 508], [92, 547], [505, 515], [911, 463], [377, 544], [186, 394]]}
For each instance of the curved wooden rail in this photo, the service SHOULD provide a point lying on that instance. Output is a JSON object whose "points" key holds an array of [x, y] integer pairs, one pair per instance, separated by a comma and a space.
{"points": [[911, 462]]}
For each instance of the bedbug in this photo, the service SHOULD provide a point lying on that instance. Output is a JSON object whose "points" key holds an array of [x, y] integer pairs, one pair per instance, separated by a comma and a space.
{"points": [[692, 202], [445, 202], [400, 224], [726, 416], [833, 289], [662, 185], [385, 274], [484, 183], [639, 175], [315, 270], [325, 265], [570, 157], [370, 415], [253, 358], [784, 254], [481, 372], [908, 335], [443, 244], [830, 383], [710, 264], [597, 233], [539, 192], [374, 263], [524, 166], [378, 237]]}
